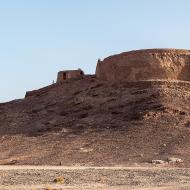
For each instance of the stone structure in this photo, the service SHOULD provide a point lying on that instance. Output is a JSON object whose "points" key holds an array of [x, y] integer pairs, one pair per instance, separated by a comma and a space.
{"points": [[64, 75], [163, 64]]}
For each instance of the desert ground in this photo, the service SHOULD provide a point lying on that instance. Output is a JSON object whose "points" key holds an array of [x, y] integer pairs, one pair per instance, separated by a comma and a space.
{"points": [[95, 123], [87, 178], [91, 123]]}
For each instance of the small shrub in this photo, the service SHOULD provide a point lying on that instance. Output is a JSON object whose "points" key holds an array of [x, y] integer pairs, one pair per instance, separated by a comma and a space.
{"points": [[60, 180]]}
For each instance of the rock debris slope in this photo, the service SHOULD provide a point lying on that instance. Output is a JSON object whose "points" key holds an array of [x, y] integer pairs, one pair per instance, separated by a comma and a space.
{"points": [[91, 122]]}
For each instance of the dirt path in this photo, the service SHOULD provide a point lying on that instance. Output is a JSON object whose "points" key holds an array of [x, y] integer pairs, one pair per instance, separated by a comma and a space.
{"points": [[45, 167], [87, 178], [57, 187]]}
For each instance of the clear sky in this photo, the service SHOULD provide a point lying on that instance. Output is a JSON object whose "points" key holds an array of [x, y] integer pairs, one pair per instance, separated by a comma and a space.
{"points": [[40, 37]]}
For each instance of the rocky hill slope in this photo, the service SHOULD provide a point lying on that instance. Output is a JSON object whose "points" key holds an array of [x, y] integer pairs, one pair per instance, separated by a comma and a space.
{"points": [[91, 122]]}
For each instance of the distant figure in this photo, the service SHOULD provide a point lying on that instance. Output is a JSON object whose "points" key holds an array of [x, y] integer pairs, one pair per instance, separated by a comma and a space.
{"points": [[99, 60], [53, 82]]}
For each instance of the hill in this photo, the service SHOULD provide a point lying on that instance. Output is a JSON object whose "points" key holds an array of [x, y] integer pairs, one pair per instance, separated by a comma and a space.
{"points": [[91, 122]]}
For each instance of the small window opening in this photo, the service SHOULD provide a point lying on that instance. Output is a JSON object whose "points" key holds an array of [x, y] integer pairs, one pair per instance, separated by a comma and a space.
{"points": [[64, 76]]}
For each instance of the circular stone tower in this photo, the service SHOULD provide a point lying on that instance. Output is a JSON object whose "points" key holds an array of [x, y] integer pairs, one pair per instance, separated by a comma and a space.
{"points": [[150, 64]]}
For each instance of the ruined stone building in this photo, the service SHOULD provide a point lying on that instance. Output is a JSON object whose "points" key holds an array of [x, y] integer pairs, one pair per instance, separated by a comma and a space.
{"points": [[64, 75], [150, 64], [138, 65]]}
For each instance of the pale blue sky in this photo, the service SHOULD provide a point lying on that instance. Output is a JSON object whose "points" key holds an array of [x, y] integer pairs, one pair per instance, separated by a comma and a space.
{"points": [[40, 37]]}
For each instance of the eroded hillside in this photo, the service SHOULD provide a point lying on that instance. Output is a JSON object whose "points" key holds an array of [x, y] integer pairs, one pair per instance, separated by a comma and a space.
{"points": [[91, 122]]}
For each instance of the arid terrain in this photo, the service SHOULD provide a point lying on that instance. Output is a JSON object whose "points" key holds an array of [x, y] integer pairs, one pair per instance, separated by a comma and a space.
{"points": [[95, 123], [88, 178], [88, 122]]}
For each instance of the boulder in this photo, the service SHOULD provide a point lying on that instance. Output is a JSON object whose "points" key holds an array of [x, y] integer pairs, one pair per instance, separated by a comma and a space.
{"points": [[174, 160], [158, 162]]}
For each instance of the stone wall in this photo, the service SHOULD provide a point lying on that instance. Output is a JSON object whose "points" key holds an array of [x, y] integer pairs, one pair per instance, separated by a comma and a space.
{"points": [[163, 64]]}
